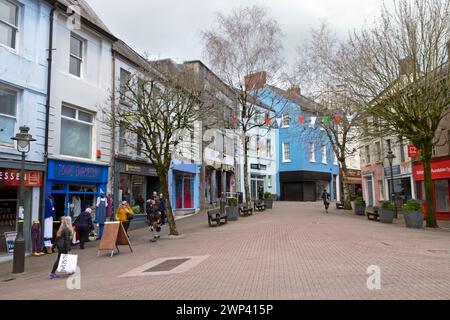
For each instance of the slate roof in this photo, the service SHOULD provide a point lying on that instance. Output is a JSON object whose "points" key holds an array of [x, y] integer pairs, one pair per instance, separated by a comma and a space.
{"points": [[306, 103]]}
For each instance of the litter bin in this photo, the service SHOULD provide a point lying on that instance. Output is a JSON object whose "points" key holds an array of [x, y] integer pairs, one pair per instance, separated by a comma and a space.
{"points": [[240, 197]]}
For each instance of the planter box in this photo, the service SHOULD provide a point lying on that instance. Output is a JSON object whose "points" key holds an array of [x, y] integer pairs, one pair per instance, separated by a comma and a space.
{"points": [[232, 213], [414, 219], [386, 215], [268, 204], [360, 209]]}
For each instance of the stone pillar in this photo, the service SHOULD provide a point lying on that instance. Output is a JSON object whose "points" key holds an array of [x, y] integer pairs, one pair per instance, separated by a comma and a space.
{"points": [[213, 186]]}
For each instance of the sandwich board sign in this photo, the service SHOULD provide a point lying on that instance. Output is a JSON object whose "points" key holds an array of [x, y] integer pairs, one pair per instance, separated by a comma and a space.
{"points": [[114, 235]]}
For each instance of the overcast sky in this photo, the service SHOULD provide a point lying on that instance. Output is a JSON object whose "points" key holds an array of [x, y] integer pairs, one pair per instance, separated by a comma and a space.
{"points": [[170, 28]]}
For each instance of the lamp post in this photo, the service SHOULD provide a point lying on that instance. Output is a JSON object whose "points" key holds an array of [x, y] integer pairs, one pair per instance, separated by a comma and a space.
{"points": [[23, 146], [391, 158]]}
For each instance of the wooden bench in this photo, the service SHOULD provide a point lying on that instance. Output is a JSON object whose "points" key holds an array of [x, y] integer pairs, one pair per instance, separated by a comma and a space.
{"points": [[216, 215], [245, 210], [372, 213], [260, 206]]}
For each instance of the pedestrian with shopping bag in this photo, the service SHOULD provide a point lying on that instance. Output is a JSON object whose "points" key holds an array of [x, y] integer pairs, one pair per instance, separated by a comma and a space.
{"points": [[63, 243]]}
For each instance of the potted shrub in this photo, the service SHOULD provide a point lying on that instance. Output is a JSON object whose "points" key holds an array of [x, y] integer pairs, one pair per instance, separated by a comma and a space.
{"points": [[268, 200], [387, 212], [232, 209], [413, 213], [360, 206]]}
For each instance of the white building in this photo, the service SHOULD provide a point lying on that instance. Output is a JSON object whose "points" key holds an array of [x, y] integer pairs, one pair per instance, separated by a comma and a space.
{"points": [[79, 137]]}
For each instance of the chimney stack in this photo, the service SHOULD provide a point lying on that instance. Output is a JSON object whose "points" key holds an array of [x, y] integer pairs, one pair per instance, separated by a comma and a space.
{"points": [[295, 90], [406, 66], [255, 81]]}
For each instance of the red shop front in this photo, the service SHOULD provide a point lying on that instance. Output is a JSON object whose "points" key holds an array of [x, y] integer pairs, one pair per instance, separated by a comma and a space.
{"points": [[440, 173]]}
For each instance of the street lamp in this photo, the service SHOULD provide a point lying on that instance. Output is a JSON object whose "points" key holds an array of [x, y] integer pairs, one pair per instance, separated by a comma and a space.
{"points": [[23, 146], [391, 158]]}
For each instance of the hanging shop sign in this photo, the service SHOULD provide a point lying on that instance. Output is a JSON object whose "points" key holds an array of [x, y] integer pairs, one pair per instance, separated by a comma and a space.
{"points": [[11, 177], [413, 151]]}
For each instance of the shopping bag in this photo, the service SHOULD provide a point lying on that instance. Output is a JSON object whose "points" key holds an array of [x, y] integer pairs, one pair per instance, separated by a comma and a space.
{"points": [[68, 263]]}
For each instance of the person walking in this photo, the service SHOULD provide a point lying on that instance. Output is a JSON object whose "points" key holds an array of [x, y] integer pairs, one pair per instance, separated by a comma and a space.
{"points": [[84, 226], [162, 209], [124, 214], [154, 220], [63, 243], [326, 197]]}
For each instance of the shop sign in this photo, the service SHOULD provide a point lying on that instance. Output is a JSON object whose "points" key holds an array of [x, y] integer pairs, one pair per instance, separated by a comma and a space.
{"points": [[405, 168], [413, 152], [60, 170], [395, 171], [138, 169], [439, 170], [10, 238], [258, 167], [11, 177]]}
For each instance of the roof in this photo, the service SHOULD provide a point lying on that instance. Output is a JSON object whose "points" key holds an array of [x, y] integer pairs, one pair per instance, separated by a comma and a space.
{"points": [[304, 102], [255, 101], [88, 15]]}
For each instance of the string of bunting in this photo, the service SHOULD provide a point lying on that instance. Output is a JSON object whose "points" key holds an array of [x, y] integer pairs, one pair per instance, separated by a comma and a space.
{"points": [[325, 120]]}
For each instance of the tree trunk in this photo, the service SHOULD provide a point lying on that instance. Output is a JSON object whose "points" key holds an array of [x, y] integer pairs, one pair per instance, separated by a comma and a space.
{"points": [[427, 152], [346, 188], [246, 177], [170, 217]]}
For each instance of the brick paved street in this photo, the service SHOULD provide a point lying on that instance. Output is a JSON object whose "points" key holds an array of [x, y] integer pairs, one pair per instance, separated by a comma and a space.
{"points": [[292, 252]]}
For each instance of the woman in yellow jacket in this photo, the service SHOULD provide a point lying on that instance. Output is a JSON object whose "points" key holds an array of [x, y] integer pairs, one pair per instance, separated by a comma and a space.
{"points": [[123, 215]]}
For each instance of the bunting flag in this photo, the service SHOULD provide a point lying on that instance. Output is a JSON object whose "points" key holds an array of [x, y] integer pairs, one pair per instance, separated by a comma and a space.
{"points": [[313, 121], [338, 118], [302, 120], [279, 120], [234, 120], [349, 118], [325, 120], [267, 121]]}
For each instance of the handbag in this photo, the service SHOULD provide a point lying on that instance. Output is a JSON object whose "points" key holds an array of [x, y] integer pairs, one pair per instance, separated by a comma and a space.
{"points": [[68, 263]]}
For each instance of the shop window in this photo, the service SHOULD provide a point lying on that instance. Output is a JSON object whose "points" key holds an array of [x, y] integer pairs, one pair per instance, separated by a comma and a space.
{"points": [[9, 20], [76, 55], [76, 133], [442, 195], [8, 113]]}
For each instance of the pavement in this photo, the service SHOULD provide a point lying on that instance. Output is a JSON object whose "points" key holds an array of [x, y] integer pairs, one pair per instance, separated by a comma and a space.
{"points": [[293, 252]]}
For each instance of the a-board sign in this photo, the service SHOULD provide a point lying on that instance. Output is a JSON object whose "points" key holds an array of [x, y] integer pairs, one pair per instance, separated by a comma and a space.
{"points": [[10, 238], [114, 235]]}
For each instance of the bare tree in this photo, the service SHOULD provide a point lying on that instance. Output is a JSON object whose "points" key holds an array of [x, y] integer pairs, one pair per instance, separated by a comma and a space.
{"points": [[161, 108], [246, 42], [398, 72], [317, 72]]}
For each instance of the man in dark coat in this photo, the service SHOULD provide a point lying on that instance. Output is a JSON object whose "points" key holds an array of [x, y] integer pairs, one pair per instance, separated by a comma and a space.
{"points": [[85, 226]]}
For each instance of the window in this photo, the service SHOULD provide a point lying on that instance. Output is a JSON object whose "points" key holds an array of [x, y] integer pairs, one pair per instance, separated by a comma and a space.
{"points": [[448, 141], [9, 16], [125, 77], [76, 132], [76, 55], [335, 159], [258, 145], [368, 154], [402, 151], [139, 145], [286, 120], [8, 113], [434, 150], [378, 148], [312, 152], [269, 148], [380, 186], [388, 142], [442, 195], [324, 154], [122, 138], [286, 152]]}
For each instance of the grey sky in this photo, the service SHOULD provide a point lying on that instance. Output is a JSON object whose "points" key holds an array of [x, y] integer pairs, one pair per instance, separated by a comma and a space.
{"points": [[170, 28]]}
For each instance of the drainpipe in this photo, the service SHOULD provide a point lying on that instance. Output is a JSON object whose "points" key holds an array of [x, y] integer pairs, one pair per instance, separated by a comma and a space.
{"points": [[47, 113], [114, 175]]}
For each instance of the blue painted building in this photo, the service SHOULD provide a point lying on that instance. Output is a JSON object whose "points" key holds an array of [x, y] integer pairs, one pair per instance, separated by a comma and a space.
{"points": [[307, 164], [24, 34], [184, 185]]}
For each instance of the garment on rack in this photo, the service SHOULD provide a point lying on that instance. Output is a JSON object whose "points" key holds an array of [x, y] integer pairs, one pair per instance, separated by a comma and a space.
{"points": [[36, 237], [49, 215], [76, 202]]}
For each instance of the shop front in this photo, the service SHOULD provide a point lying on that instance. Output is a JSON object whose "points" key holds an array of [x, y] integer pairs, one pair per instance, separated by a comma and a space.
{"points": [[9, 194], [403, 183], [305, 186], [440, 173], [184, 186], [74, 186], [136, 183]]}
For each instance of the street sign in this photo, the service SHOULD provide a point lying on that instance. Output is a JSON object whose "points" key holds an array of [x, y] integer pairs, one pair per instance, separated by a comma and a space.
{"points": [[413, 152]]}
